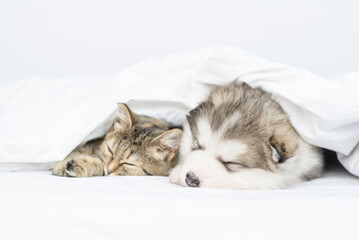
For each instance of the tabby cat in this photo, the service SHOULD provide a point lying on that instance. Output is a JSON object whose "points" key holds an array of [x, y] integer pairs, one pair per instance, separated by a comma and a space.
{"points": [[134, 145]]}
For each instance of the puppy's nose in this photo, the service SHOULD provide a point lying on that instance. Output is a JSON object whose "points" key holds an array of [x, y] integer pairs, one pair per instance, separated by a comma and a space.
{"points": [[192, 180]]}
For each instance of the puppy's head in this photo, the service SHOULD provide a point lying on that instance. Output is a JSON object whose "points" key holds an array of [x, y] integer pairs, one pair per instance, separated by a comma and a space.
{"points": [[241, 138]]}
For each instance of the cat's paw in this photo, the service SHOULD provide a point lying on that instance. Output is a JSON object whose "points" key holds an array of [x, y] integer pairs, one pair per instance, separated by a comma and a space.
{"points": [[70, 168]]}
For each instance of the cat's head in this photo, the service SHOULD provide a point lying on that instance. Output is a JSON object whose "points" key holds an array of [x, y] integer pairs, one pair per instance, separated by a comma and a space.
{"points": [[140, 145]]}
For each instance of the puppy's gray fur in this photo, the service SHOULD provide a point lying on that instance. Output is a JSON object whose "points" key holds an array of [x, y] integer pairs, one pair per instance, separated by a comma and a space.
{"points": [[240, 138]]}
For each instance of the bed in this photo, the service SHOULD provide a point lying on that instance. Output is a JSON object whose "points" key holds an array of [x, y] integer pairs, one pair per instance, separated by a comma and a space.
{"points": [[43, 120], [47, 45], [37, 205]]}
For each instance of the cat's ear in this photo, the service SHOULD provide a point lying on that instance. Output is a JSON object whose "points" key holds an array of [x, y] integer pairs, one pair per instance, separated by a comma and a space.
{"points": [[126, 118], [169, 140]]}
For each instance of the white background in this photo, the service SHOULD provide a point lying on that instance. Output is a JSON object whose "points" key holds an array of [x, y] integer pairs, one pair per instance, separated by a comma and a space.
{"points": [[88, 37]]}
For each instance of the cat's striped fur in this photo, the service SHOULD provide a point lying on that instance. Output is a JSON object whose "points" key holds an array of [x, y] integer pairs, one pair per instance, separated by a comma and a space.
{"points": [[134, 145]]}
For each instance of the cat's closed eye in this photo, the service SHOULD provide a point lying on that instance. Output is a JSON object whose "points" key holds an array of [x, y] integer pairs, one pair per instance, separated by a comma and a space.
{"points": [[109, 150]]}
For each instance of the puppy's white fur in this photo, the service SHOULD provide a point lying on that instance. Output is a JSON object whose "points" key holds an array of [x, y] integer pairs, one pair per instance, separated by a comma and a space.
{"points": [[206, 162]]}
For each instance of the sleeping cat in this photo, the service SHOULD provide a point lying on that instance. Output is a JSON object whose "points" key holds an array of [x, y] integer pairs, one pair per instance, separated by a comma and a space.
{"points": [[134, 145]]}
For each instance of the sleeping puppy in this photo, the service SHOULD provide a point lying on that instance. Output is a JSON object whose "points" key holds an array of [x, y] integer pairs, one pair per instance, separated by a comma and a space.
{"points": [[240, 138]]}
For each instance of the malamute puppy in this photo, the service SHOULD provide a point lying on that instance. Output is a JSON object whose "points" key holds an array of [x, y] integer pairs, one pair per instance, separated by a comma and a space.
{"points": [[240, 138]]}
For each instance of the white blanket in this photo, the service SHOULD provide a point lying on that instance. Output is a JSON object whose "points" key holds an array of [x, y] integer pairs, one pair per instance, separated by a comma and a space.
{"points": [[42, 120]]}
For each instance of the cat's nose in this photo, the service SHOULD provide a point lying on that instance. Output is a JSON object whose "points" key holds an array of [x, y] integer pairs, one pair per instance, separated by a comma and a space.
{"points": [[192, 180]]}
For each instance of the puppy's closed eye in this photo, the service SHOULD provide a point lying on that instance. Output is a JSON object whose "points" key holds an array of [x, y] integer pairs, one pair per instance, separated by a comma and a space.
{"points": [[231, 166]]}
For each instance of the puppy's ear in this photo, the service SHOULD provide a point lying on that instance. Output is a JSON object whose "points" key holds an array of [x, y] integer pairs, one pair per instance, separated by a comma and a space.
{"points": [[126, 118], [283, 145]]}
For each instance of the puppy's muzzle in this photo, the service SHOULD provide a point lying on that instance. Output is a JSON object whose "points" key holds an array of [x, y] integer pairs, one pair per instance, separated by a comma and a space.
{"points": [[192, 180]]}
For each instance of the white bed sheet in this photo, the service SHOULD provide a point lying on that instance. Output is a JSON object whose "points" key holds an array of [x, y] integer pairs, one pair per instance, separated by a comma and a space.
{"points": [[37, 205]]}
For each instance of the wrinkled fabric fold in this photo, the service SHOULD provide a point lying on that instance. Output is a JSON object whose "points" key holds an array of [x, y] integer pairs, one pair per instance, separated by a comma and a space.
{"points": [[42, 120]]}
